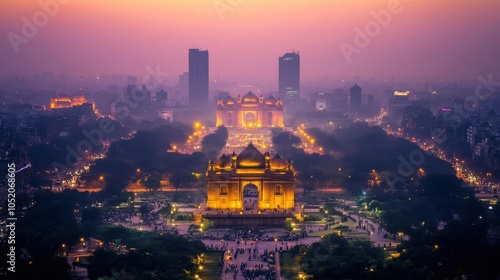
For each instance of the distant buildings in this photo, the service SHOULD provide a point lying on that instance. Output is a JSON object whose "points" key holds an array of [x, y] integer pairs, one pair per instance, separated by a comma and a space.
{"points": [[289, 76], [336, 102], [184, 83], [161, 98], [140, 97], [198, 77], [397, 104], [355, 99], [135, 103]]}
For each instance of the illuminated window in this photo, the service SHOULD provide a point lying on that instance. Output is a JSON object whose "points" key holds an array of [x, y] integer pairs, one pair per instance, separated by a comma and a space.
{"points": [[270, 118], [278, 190], [230, 119], [223, 190]]}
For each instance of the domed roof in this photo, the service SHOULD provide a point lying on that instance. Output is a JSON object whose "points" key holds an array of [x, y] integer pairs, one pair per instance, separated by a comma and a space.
{"points": [[250, 157], [250, 98], [229, 100], [270, 100], [277, 162], [223, 161]]}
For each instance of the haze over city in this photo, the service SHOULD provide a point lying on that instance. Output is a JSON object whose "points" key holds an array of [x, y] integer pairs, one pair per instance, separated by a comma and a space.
{"points": [[444, 40]]}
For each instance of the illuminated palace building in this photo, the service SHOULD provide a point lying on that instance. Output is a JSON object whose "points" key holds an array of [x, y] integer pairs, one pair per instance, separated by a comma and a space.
{"points": [[250, 111], [64, 101], [231, 175]]}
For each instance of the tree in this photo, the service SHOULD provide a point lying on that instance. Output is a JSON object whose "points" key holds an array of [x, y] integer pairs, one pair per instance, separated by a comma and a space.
{"points": [[145, 209], [156, 256], [152, 181], [212, 144], [206, 224], [91, 219], [101, 263], [334, 258], [182, 178], [166, 210]]}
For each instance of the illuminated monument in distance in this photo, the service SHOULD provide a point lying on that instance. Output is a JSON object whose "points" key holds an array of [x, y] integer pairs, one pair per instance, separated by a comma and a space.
{"points": [[274, 179], [65, 101], [250, 111]]}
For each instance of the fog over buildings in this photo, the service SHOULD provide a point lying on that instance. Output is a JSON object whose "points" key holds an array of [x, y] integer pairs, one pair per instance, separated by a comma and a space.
{"points": [[338, 40]]}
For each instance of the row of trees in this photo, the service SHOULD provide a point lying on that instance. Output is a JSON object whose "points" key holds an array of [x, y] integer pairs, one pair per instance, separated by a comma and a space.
{"points": [[153, 256], [44, 234], [146, 160], [364, 150]]}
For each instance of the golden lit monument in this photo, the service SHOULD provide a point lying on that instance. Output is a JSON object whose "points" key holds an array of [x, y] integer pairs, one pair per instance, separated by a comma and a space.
{"points": [[228, 176], [250, 111]]}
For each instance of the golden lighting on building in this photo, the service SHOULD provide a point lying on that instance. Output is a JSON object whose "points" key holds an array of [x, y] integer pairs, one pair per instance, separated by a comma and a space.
{"points": [[65, 101], [274, 179], [250, 112], [401, 93]]}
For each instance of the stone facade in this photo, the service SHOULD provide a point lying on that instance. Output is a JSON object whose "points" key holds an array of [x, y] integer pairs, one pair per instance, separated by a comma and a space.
{"points": [[228, 176], [250, 111]]}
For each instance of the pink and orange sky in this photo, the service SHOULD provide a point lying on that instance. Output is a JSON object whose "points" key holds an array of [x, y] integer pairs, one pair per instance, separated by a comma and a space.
{"points": [[445, 40]]}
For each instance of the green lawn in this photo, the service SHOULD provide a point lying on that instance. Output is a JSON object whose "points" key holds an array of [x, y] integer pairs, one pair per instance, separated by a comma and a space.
{"points": [[320, 233], [317, 216], [352, 235], [210, 266]]}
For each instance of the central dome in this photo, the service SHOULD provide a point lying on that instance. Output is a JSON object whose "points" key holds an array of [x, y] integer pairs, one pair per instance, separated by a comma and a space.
{"points": [[250, 98], [250, 157]]}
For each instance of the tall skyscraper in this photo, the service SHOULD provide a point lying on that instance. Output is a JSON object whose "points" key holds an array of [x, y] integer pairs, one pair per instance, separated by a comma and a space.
{"points": [[355, 99], [289, 76], [198, 77]]}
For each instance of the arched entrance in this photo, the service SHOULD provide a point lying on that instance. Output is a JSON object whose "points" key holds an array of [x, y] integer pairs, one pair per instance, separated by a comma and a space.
{"points": [[250, 198], [250, 119]]}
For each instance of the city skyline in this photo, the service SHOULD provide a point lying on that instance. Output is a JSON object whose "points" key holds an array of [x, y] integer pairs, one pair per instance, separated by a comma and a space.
{"points": [[453, 34], [250, 139]]}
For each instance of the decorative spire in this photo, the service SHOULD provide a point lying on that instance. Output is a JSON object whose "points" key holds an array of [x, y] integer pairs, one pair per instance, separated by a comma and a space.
{"points": [[289, 164], [267, 158], [233, 160]]}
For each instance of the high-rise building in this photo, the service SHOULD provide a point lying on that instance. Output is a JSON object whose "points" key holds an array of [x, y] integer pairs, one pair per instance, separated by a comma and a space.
{"points": [[289, 76], [198, 77], [335, 102], [184, 83], [397, 104], [355, 99]]}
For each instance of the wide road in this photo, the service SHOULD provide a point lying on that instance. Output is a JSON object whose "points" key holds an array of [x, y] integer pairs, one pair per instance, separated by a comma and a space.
{"points": [[251, 258]]}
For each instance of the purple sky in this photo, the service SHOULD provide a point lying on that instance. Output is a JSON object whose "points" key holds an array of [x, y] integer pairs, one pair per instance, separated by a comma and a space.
{"points": [[424, 40]]}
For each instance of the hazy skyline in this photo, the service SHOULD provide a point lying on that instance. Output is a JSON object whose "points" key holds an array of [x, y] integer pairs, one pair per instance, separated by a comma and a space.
{"points": [[445, 40]]}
